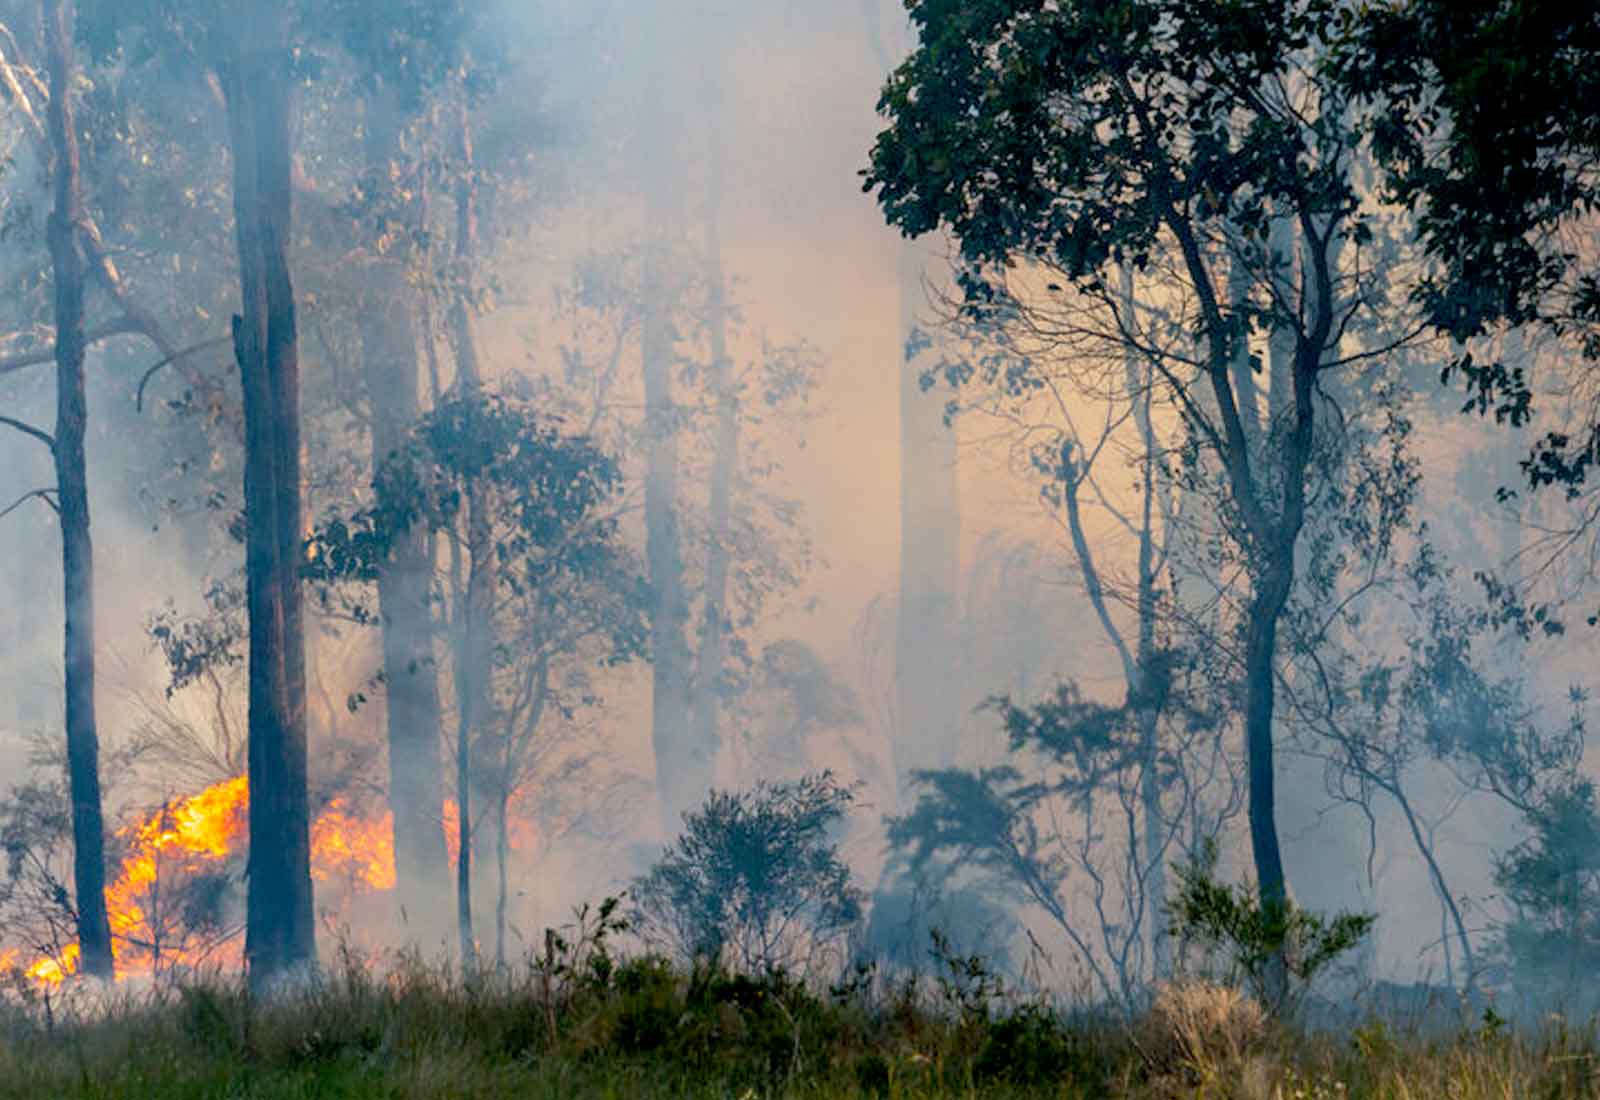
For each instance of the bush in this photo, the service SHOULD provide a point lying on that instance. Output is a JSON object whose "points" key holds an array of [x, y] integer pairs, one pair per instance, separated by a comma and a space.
{"points": [[754, 880], [1272, 951]]}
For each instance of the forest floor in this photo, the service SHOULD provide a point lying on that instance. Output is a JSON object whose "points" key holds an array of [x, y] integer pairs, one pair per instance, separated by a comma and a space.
{"points": [[640, 1031]]}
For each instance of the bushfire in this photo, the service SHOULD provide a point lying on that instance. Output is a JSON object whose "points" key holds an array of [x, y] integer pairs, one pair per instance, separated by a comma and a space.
{"points": [[166, 899]]}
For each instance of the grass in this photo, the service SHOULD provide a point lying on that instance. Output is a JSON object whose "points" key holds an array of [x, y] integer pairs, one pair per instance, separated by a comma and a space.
{"points": [[642, 1030]]}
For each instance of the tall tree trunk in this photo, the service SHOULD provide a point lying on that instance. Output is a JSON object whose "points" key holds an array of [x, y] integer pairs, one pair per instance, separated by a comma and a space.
{"points": [[389, 358], [502, 866], [682, 764], [1261, 636], [1241, 282], [709, 661], [72, 484], [1143, 688], [928, 681], [280, 934], [476, 634]]}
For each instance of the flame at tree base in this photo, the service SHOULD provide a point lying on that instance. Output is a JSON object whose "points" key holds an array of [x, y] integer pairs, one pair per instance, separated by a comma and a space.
{"points": [[166, 899]]}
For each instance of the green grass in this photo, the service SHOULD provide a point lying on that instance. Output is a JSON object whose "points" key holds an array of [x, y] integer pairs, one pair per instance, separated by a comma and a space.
{"points": [[641, 1030]]}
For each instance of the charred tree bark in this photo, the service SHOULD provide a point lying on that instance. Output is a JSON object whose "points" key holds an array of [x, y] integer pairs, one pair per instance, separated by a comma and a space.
{"points": [[391, 366], [72, 484], [280, 936]]}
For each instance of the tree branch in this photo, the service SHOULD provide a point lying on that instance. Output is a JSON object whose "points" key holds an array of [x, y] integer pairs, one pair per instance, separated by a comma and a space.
{"points": [[42, 494], [28, 429], [138, 397], [122, 326]]}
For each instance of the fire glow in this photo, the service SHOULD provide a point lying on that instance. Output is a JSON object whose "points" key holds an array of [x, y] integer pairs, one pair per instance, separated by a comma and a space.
{"points": [[196, 836]]}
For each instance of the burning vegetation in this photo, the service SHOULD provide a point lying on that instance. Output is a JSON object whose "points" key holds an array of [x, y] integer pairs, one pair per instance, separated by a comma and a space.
{"points": [[173, 900]]}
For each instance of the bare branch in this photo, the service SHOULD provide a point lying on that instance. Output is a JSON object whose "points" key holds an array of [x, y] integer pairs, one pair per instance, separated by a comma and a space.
{"points": [[42, 494], [28, 429], [138, 397], [122, 326]]}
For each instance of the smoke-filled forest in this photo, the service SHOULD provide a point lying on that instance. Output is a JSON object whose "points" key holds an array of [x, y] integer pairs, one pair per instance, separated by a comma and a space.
{"points": [[948, 548]]}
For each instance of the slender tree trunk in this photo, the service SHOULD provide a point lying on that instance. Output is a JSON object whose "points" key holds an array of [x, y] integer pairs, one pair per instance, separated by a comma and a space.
{"points": [[1240, 284], [682, 764], [389, 357], [1142, 688], [928, 681], [928, 687], [472, 662], [707, 700], [1261, 637], [1281, 338], [502, 861], [72, 484], [280, 935]]}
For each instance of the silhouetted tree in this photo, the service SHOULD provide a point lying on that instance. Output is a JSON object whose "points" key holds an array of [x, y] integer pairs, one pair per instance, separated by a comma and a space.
{"points": [[72, 500], [753, 879], [1158, 135]]}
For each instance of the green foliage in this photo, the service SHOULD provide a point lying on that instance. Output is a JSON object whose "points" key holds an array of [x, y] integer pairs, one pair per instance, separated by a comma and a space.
{"points": [[1246, 941], [755, 878], [1031, 829], [1482, 116], [1551, 944], [1077, 131], [556, 542], [654, 1032]]}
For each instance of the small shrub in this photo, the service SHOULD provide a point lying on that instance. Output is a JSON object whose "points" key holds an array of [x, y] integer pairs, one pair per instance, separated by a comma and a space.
{"points": [[1029, 1047], [754, 880], [1272, 951], [1202, 1028]]}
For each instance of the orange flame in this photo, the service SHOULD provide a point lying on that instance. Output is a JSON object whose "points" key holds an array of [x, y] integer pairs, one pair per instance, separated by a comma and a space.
{"points": [[198, 834], [362, 850], [49, 971], [522, 834]]}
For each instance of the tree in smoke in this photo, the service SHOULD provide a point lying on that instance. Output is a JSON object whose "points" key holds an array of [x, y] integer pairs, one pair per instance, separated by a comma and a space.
{"points": [[754, 881], [560, 592], [927, 725], [78, 255], [1170, 138], [72, 502], [738, 543], [1038, 825]]}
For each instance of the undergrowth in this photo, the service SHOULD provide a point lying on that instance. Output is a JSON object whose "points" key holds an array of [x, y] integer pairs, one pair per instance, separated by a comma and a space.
{"points": [[578, 1022]]}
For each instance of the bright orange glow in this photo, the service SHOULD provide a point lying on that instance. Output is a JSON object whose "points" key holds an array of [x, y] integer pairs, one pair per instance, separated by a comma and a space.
{"points": [[362, 851], [522, 833], [189, 836], [53, 972], [195, 836], [452, 829]]}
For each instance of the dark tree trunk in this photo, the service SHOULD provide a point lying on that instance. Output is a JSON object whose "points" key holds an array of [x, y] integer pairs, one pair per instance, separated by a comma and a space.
{"points": [[72, 484], [1261, 637], [280, 935], [390, 362]]}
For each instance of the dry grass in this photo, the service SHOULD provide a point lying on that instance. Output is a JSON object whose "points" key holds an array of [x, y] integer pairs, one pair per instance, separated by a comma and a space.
{"points": [[644, 1031]]}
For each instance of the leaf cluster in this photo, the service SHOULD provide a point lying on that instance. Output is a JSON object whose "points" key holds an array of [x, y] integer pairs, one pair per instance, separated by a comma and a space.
{"points": [[755, 873], [1251, 939], [1075, 131]]}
